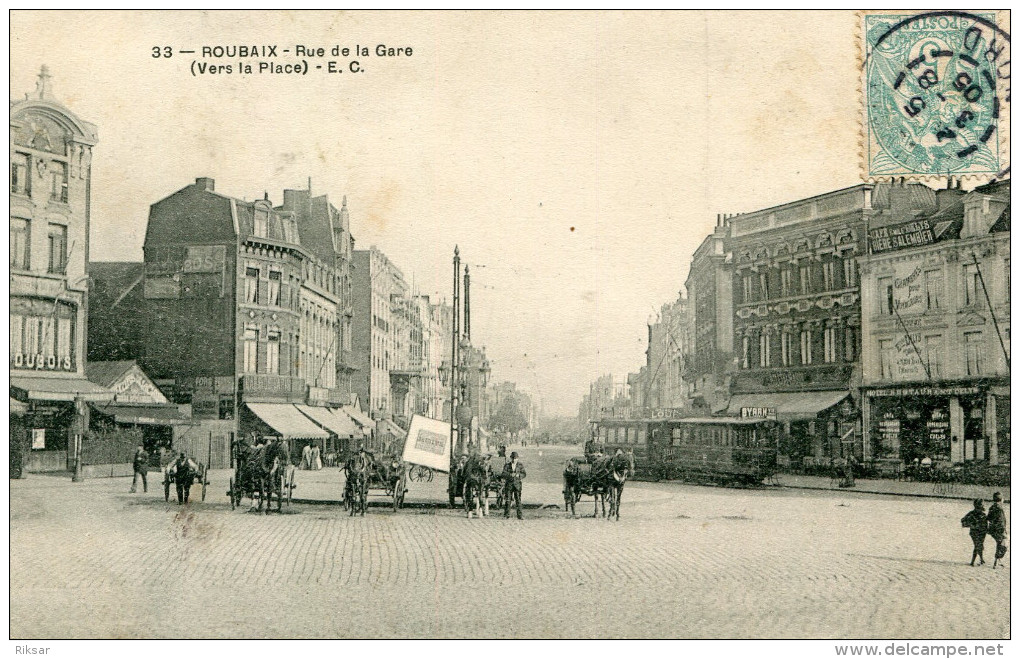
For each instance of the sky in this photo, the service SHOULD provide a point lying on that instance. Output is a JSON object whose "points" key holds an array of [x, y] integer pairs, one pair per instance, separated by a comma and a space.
{"points": [[577, 159]]}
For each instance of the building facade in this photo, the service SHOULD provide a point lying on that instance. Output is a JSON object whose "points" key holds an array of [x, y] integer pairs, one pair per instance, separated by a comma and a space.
{"points": [[244, 306], [936, 329], [381, 331], [50, 193], [709, 323]]}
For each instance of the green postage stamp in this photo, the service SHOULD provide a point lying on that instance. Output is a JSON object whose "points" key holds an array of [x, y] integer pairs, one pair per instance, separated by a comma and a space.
{"points": [[935, 91]]}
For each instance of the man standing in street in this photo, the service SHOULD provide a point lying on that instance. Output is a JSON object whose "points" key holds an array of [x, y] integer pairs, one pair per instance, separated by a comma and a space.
{"points": [[141, 467], [997, 527], [184, 475], [513, 474]]}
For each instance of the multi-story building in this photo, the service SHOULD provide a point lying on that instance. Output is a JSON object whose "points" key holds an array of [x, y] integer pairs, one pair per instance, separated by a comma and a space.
{"points": [[381, 331], [664, 382], [50, 187], [709, 323], [243, 309], [436, 333], [797, 313], [936, 330]]}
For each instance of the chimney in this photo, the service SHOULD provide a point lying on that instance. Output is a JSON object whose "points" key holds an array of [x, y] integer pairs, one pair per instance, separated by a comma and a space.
{"points": [[205, 183]]}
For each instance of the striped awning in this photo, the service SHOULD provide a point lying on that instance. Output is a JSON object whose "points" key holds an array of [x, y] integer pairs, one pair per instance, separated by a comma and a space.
{"points": [[332, 420], [287, 421]]}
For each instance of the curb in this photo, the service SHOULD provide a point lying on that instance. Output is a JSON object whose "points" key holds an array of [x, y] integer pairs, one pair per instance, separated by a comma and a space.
{"points": [[918, 495], [409, 505]]}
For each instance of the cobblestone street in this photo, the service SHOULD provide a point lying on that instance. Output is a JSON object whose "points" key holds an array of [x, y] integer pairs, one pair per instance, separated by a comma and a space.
{"points": [[91, 560]]}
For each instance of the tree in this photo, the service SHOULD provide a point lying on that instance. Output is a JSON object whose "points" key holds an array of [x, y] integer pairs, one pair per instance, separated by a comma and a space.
{"points": [[509, 417]]}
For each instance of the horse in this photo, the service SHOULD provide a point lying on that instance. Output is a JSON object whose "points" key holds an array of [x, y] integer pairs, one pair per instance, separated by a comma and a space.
{"points": [[476, 485], [266, 467], [619, 468], [356, 490]]}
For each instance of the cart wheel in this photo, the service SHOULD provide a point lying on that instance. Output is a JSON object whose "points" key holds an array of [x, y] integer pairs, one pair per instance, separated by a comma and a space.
{"points": [[290, 487], [232, 493]]}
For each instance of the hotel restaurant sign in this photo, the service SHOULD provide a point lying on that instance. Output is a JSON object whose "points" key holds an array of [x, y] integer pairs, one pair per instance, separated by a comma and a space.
{"points": [[915, 233]]}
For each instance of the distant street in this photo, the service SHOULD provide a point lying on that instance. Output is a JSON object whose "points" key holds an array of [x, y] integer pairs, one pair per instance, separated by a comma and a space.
{"points": [[91, 560]]}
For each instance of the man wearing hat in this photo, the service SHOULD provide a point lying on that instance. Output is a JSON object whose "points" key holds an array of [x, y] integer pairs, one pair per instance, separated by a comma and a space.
{"points": [[513, 474], [997, 527], [184, 474], [977, 521]]}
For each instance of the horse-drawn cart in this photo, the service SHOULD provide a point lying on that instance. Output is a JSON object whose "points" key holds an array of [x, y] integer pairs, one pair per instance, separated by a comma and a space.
{"points": [[364, 474], [260, 472], [198, 472]]}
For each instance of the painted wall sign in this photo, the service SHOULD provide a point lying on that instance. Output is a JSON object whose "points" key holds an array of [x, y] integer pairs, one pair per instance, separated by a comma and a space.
{"points": [[42, 362], [915, 233]]}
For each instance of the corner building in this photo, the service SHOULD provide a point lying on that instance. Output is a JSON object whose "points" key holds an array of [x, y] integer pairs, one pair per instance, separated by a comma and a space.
{"points": [[50, 194], [936, 328]]}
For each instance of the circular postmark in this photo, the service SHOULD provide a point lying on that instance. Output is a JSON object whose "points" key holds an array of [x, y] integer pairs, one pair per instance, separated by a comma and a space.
{"points": [[937, 94]]}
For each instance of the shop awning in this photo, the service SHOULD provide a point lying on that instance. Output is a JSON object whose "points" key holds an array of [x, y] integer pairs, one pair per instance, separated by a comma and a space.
{"points": [[287, 421], [387, 426], [799, 406], [68, 388], [18, 408], [145, 415], [332, 420], [362, 419]]}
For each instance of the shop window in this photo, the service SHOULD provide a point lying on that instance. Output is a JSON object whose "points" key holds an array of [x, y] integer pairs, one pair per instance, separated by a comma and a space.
{"points": [[58, 249], [20, 242], [226, 410], [972, 344], [885, 296], [971, 285], [58, 181], [251, 350], [251, 285], [21, 178], [885, 358], [274, 288], [933, 289]]}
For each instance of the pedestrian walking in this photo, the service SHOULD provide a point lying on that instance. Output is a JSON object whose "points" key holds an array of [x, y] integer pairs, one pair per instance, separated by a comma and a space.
{"points": [[977, 522], [997, 527], [306, 457], [316, 459], [141, 469], [513, 474], [184, 474]]}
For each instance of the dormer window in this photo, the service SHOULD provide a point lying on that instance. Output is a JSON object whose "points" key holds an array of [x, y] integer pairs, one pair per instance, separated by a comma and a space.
{"points": [[261, 229]]}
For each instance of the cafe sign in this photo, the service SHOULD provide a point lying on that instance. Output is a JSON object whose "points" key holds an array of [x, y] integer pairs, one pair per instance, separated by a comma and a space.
{"points": [[915, 233], [758, 413]]}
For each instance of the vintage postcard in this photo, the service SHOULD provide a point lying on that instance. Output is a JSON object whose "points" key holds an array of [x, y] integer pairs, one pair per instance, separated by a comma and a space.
{"points": [[511, 325]]}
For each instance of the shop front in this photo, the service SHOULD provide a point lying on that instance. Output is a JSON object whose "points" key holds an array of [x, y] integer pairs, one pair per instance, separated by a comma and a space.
{"points": [[817, 426], [51, 415], [946, 422]]}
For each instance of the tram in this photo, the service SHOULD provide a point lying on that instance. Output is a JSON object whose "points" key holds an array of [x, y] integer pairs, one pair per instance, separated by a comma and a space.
{"points": [[727, 450]]}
